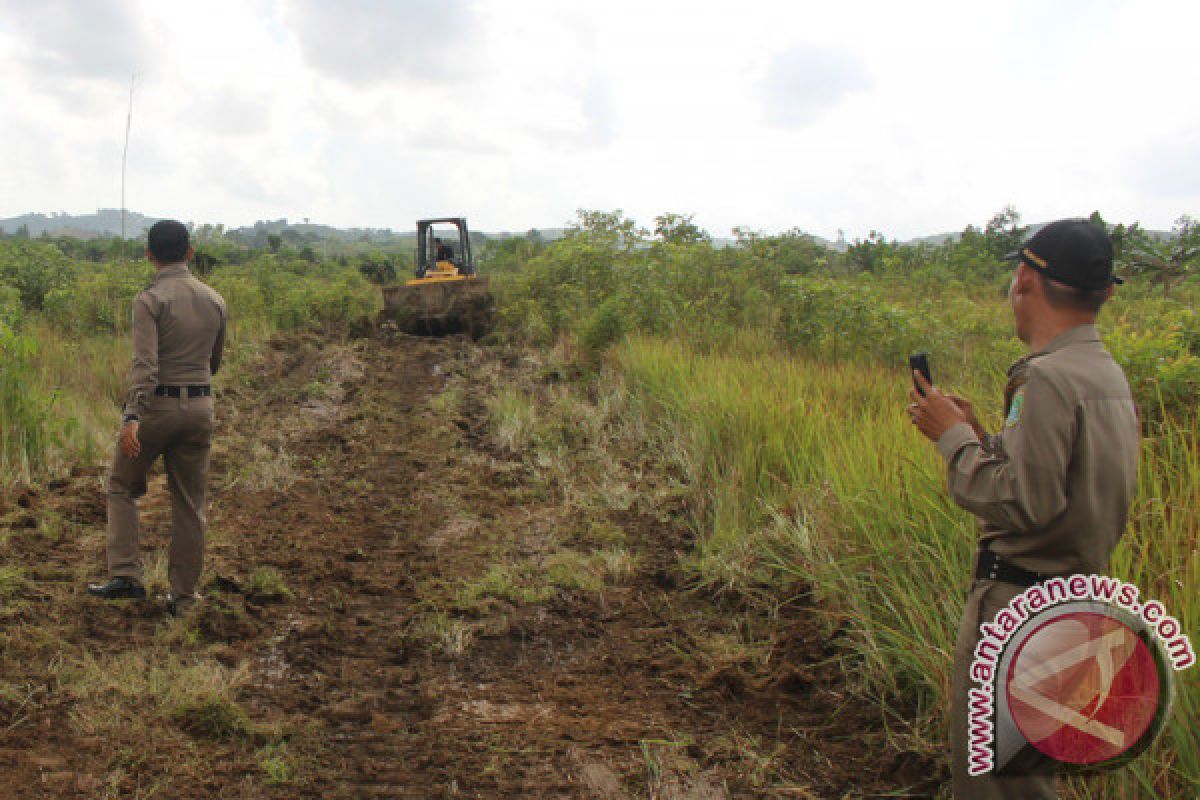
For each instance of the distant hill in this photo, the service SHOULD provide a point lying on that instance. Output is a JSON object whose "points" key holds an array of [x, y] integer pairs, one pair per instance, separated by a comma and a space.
{"points": [[939, 239], [936, 240], [107, 222]]}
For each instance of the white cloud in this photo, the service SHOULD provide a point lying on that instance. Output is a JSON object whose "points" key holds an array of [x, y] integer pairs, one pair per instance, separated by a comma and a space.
{"points": [[228, 111], [908, 118], [1169, 168], [574, 116], [98, 40], [367, 42], [807, 80]]}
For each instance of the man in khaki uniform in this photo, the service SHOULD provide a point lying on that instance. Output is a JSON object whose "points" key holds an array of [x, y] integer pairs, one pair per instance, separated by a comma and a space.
{"points": [[1052, 490], [178, 336]]}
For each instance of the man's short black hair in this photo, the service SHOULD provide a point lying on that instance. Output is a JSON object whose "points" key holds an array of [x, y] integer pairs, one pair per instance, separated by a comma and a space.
{"points": [[1068, 298], [167, 241]]}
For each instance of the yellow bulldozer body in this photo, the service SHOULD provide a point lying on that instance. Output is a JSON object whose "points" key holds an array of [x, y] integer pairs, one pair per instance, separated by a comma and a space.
{"points": [[440, 272]]}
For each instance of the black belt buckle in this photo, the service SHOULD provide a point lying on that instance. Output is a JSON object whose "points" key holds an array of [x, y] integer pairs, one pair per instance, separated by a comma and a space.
{"points": [[177, 391], [993, 568]]}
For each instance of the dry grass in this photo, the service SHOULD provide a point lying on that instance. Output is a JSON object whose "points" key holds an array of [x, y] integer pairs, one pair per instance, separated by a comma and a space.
{"points": [[449, 635], [131, 692], [269, 468]]}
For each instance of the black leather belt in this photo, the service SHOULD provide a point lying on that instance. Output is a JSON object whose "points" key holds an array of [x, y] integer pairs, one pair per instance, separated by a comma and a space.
{"points": [[176, 391], [993, 568]]}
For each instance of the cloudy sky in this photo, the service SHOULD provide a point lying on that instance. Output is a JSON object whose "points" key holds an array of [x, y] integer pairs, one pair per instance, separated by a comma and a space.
{"points": [[909, 118]]}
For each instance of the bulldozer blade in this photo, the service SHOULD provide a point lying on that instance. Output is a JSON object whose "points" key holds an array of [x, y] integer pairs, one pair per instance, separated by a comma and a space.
{"points": [[440, 308]]}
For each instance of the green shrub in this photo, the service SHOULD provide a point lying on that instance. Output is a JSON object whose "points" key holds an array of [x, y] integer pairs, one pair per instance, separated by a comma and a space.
{"points": [[11, 311], [836, 320], [34, 269], [1187, 324], [313, 300], [605, 326], [1163, 371], [99, 299], [244, 297]]}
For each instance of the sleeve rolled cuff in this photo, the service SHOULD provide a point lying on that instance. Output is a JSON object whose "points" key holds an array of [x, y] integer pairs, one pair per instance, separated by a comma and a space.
{"points": [[954, 438], [134, 404]]}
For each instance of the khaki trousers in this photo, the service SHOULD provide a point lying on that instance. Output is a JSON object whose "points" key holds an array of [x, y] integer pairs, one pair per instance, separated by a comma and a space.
{"points": [[1036, 781], [180, 430]]}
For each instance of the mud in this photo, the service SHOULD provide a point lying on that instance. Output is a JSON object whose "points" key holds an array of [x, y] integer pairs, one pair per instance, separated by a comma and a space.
{"points": [[423, 644]]}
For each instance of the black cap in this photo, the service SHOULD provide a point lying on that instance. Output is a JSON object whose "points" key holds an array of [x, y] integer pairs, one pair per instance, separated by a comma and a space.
{"points": [[1071, 251]]}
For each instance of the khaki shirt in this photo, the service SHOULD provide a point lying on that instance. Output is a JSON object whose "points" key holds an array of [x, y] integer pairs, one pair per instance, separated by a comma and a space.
{"points": [[1052, 490], [178, 335]]}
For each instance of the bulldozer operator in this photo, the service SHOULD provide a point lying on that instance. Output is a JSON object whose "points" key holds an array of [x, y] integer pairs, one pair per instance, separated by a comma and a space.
{"points": [[442, 252]]}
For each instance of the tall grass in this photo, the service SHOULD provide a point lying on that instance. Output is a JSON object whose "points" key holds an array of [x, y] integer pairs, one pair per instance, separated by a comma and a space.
{"points": [[1159, 554], [812, 469], [32, 430], [64, 341], [86, 374]]}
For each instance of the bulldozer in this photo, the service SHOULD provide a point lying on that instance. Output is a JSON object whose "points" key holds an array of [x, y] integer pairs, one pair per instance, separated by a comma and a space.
{"points": [[448, 295]]}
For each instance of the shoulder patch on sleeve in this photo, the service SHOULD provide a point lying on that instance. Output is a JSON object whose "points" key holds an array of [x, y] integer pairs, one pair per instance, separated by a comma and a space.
{"points": [[1014, 409]]}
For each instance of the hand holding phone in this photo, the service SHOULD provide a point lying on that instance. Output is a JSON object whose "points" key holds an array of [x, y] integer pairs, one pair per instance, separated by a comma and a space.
{"points": [[919, 362]]}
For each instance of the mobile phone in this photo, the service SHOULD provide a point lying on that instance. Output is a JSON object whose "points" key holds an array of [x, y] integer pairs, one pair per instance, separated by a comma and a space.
{"points": [[920, 363]]}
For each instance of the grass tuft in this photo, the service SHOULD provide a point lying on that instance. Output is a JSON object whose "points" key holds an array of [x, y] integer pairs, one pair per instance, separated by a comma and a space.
{"points": [[212, 717], [12, 582], [277, 765], [266, 585]]}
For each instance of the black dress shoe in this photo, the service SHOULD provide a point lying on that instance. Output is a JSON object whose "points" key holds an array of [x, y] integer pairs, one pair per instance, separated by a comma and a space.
{"points": [[181, 606], [117, 589]]}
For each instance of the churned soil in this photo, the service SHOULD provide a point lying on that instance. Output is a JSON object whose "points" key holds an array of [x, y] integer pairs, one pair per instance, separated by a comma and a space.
{"points": [[398, 604]]}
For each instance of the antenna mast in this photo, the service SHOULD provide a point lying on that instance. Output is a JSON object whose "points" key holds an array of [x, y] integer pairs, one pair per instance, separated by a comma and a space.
{"points": [[125, 157]]}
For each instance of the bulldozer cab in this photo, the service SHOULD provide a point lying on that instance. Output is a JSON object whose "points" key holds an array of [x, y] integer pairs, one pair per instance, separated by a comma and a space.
{"points": [[443, 248]]}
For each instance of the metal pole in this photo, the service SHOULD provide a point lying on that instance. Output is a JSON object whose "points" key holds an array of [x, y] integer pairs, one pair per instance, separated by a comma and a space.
{"points": [[125, 158]]}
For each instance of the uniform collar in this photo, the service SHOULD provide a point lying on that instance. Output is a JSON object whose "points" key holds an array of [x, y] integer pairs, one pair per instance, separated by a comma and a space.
{"points": [[1080, 333], [171, 270]]}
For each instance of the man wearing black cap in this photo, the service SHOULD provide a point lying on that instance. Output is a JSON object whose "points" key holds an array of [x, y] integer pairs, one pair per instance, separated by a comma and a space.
{"points": [[178, 336], [1052, 490]]}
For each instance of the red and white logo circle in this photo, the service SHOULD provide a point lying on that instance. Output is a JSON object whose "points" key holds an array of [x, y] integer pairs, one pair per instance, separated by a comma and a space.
{"points": [[1083, 688]]}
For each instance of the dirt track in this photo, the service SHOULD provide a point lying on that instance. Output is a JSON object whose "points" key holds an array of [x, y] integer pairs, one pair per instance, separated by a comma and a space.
{"points": [[458, 619]]}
